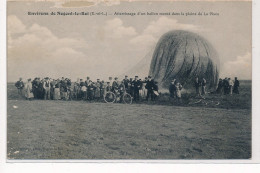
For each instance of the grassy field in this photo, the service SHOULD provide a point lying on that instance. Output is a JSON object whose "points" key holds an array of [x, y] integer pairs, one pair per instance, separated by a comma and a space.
{"points": [[156, 130]]}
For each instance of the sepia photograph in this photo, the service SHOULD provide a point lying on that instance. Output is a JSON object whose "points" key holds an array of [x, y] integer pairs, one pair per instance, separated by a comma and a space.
{"points": [[119, 80]]}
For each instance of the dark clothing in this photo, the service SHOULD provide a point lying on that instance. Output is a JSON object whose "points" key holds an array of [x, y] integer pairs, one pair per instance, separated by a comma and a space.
{"points": [[197, 85], [203, 87], [90, 92], [150, 86], [63, 86], [236, 86], [172, 90], [82, 84], [226, 86], [19, 85], [126, 83], [136, 84], [115, 86], [220, 87], [41, 91], [47, 84], [35, 88]]}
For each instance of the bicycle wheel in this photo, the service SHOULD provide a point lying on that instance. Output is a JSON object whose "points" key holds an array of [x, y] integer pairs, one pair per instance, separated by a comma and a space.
{"points": [[110, 97], [127, 99]]}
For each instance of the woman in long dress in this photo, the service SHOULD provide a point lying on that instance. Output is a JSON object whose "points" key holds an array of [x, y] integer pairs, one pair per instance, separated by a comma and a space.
{"points": [[57, 91], [28, 90], [178, 91], [97, 90]]}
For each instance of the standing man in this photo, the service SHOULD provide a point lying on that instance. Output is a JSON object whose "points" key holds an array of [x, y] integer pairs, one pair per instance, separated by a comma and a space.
{"points": [[172, 89], [203, 86], [226, 86], [126, 83], [20, 85], [136, 86], [131, 87], [47, 88], [63, 88], [52, 88], [81, 84], [197, 86], [220, 86], [87, 82], [41, 89], [98, 89], [103, 87], [115, 85], [149, 86], [236, 86]]}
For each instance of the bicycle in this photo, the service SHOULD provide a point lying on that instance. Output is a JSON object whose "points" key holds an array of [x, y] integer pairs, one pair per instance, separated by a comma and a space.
{"points": [[117, 96]]}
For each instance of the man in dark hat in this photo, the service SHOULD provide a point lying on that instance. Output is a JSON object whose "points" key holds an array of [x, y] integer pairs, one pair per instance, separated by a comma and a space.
{"points": [[150, 87], [115, 85], [236, 86], [131, 87], [136, 86], [172, 89], [126, 83]]}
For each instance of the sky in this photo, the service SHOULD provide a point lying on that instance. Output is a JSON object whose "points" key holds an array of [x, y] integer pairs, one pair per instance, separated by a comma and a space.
{"points": [[103, 46]]}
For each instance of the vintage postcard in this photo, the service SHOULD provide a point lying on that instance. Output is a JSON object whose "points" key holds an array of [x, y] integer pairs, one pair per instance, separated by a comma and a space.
{"points": [[121, 80]]}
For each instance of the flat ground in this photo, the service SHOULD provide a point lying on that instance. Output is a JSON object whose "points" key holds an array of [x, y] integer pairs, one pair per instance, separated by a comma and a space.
{"points": [[81, 130]]}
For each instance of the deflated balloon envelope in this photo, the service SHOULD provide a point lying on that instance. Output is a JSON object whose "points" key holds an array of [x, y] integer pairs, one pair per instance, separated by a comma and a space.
{"points": [[184, 55]]}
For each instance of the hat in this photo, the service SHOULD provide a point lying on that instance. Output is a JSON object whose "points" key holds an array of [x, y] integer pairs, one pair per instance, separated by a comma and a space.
{"points": [[126, 76], [116, 77], [149, 77], [136, 76]]}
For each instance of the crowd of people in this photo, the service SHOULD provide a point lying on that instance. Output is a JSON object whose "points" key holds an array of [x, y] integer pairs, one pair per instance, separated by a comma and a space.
{"points": [[228, 86], [64, 89]]}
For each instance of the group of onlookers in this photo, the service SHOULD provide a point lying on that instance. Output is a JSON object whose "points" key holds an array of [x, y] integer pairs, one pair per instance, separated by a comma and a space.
{"points": [[228, 86], [64, 89], [225, 86]]}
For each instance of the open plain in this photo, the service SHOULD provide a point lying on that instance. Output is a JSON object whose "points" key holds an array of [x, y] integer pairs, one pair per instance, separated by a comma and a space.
{"points": [[41, 129]]}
